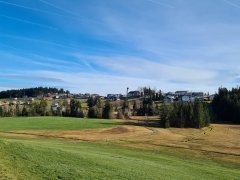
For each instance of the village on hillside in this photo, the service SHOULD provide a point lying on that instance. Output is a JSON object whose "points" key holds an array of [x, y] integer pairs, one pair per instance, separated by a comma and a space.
{"points": [[169, 97]]}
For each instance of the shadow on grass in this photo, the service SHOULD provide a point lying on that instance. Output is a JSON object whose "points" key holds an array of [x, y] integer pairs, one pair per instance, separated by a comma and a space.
{"points": [[147, 123]]}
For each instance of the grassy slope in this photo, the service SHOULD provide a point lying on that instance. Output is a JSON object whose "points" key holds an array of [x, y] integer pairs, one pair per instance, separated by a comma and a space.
{"points": [[35, 159], [53, 123]]}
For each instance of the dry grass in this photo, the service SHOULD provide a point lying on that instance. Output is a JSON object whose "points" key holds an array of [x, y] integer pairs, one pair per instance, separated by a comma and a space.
{"points": [[108, 134], [219, 139]]}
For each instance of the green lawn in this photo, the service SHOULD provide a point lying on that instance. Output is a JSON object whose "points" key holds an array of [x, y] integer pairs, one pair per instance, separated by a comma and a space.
{"points": [[53, 123], [45, 159]]}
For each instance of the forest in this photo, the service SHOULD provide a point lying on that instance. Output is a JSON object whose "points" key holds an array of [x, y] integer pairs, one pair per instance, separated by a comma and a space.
{"points": [[29, 92], [226, 105]]}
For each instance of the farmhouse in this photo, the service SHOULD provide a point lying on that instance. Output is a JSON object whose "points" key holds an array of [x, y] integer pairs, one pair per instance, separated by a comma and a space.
{"points": [[134, 94], [113, 97]]}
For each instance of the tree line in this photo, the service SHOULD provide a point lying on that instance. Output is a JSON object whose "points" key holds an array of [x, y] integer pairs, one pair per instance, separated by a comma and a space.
{"points": [[29, 92], [73, 108], [226, 105], [185, 115]]}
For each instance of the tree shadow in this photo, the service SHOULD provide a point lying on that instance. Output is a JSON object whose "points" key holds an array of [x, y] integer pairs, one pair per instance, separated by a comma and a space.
{"points": [[145, 123]]}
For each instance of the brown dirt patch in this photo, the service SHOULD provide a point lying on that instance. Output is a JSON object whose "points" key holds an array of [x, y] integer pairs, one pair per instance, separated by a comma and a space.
{"points": [[117, 130]]}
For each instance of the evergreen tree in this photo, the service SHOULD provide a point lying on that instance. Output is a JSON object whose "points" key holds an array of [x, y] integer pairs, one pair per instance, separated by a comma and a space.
{"points": [[1, 112], [74, 105], [198, 114], [18, 112], [107, 110], [165, 116], [125, 108], [24, 111]]}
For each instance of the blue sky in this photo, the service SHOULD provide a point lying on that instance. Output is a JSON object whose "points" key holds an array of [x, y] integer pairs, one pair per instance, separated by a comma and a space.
{"points": [[104, 46]]}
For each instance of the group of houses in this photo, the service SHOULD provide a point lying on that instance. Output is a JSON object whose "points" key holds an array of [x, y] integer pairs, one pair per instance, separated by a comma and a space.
{"points": [[116, 97], [16, 101], [186, 96], [170, 97]]}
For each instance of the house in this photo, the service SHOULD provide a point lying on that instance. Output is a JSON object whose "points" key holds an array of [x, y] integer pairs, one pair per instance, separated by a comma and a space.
{"points": [[169, 94], [87, 95], [56, 97], [181, 93], [211, 97], [113, 97], [168, 99], [54, 106], [185, 98], [14, 102], [31, 99], [95, 95], [134, 94], [197, 94]]}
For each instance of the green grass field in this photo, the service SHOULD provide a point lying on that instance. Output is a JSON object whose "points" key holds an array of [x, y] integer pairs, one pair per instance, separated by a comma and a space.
{"points": [[24, 159], [43, 158], [53, 123]]}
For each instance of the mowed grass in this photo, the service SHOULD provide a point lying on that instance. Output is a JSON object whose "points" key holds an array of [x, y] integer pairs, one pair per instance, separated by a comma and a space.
{"points": [[53, 123], [43, 158], [38, 159]]}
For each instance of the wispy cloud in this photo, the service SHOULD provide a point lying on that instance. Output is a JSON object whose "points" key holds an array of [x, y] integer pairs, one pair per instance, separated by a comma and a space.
{"points": [[57, 7], [232, 3], [105, 46], [71, 14], [30, 8], [36, 40], [29, 22], [161, 3], [21, 76]]}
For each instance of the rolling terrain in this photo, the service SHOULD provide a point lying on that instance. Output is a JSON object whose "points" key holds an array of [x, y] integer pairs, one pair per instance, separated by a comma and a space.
{"points": [[51, 148]]}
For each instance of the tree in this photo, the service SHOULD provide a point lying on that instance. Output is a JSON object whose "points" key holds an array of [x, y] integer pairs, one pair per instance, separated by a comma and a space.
{"points": [[74, 105], [226, 105], [198, 114], [95, 107], [125, 108], [107, 110], [66, 108], [165, 116], [92, 112], [24, 111], [18, 112], [1, 112], [91, 102], [185, 115], [41, 109]]}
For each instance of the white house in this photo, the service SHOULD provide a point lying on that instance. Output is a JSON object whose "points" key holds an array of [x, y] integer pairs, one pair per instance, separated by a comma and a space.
{"points": [[54, 106], [185, 98]]}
